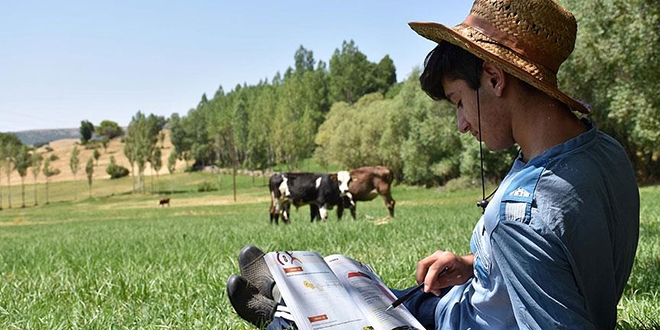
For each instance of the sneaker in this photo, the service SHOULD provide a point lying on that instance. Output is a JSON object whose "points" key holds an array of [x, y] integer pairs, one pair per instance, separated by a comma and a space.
{"points": [[254, 269], [248, 303]]}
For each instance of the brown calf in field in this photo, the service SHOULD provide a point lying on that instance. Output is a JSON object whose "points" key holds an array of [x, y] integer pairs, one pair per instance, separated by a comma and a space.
{"points": [[365, 183], [164, 201]]}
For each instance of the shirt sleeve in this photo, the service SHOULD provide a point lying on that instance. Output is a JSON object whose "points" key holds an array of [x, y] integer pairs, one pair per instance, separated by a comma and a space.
{"points": [[538, 278]]}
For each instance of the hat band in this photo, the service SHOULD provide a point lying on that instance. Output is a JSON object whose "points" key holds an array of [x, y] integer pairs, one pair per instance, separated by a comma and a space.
{"points": [[511, 42]]}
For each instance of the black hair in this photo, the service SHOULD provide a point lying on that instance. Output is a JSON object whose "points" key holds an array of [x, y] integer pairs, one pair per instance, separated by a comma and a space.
{"points": [[451, 62]]}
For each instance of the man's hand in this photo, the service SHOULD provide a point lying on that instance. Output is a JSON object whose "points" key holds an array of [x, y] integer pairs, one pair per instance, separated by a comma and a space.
{"points": [[458, 270]]}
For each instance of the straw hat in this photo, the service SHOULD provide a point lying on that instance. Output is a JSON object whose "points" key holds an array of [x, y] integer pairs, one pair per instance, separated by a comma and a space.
{"points": [[529, 39]]}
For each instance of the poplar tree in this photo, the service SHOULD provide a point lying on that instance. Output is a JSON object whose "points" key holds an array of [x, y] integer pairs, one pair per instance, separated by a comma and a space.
{"points": [[89, 170], [10, 165], [22, 161], [96, 155], [37, 159], [141, 139], [48, 172], [156, 162], [74, 162]]}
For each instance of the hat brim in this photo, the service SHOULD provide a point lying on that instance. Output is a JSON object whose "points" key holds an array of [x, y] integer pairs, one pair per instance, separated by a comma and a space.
{"points": [[480, 45]]}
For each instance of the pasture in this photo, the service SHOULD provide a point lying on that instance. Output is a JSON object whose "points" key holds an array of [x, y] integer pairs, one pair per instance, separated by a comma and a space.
{"points": [[117, 260]]}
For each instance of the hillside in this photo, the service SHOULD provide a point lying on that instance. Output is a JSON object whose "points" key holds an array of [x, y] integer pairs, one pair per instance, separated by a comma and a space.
{"points": [[33, 137], [63, 149]]}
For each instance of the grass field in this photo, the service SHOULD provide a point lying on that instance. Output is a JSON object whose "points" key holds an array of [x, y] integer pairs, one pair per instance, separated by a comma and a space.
{"points": [[118, 261]]}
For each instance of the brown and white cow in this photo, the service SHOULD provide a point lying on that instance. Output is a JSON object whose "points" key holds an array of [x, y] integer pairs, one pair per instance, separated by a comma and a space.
{"points": [[318, 190], [365, 183]]}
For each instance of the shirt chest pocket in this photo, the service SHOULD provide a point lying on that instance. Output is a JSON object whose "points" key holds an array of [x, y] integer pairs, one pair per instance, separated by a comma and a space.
{"points": [[517, 201]]}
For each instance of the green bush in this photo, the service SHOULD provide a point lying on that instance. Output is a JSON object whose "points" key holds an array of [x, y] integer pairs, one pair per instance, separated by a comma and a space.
{"points": [[206, 186], [116, 171]]}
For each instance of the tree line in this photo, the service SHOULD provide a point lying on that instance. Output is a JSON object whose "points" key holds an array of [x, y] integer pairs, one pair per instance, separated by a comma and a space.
{"points": [[352, 112], [276, 122]]}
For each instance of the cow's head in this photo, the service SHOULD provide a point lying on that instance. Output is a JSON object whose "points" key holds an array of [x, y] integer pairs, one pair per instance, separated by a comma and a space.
{"points": [[344, 178], [284, 187]]}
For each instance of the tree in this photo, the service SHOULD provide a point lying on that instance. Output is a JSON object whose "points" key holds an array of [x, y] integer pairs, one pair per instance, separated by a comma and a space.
{"points": [[9, 166], [104, 143], [349, 71], [89, 169], [178, 135], [23, 161], [74, 162], [96, 155], [156, 162], [9, 146], [259, 150], [48, 172], [304, 61], [86, 131], [37, 159], [129, 152], [109, 129], [171, 162], [141, 139], [383, 76], [616, 67]]}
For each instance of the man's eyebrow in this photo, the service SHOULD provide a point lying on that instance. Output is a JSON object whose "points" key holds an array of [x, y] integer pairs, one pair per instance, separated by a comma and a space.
{"points": [[448, 96]]}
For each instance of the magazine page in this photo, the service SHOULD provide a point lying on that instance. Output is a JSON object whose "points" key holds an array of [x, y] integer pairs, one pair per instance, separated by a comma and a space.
{"points": [[314, 295], [370, 294]]}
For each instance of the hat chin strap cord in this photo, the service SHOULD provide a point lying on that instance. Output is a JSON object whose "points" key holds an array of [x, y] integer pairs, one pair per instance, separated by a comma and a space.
{"points": [[484, 201]]}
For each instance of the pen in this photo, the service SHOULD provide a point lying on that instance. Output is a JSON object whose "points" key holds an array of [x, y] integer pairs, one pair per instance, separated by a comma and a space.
{"points": [[405, 297]]}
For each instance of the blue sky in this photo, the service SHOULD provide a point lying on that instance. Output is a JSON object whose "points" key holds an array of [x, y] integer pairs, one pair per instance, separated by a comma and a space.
{"points": [[62, 62]]}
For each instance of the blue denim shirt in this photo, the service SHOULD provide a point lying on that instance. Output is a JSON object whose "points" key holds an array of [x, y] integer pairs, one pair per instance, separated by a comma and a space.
{"points": [[555, 246]]}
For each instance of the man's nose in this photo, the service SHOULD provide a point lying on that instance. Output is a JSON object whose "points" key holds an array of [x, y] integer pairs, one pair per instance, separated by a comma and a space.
{"points": [[463, 125]]}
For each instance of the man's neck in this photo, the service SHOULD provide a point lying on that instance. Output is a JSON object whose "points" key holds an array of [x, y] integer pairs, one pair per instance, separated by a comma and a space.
{"points": [[542, 124]]}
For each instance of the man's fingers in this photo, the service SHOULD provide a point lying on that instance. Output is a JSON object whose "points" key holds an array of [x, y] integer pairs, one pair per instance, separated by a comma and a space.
{"points": [[423, 268], [433, 266]]}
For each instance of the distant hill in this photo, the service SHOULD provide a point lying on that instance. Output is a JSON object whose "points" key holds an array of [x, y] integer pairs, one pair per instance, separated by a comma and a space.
{"points": [[60, 151], [41, 136]]}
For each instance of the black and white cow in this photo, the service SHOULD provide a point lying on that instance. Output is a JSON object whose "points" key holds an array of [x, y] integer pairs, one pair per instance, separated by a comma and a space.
{"points": [[319, 191]]}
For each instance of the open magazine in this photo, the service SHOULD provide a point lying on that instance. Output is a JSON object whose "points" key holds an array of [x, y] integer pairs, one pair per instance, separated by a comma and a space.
{"points": [[335, 292]]}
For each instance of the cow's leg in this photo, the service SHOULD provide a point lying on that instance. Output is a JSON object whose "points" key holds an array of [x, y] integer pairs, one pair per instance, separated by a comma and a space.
{"points": [[353, 209], [314, 212], [274, 209], [389, 203], [273, 214], [285, 212], [277, 210], [340, 211]]}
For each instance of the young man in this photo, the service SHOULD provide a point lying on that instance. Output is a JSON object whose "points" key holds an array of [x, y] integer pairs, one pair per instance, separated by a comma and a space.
{"points": [[556, 244]]}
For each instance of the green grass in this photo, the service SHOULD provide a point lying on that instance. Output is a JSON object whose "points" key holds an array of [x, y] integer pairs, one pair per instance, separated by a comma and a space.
{"points": [[119, 261]]}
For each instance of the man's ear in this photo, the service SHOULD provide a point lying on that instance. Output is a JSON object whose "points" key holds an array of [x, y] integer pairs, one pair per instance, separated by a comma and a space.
{"points": [[495, 77]]}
